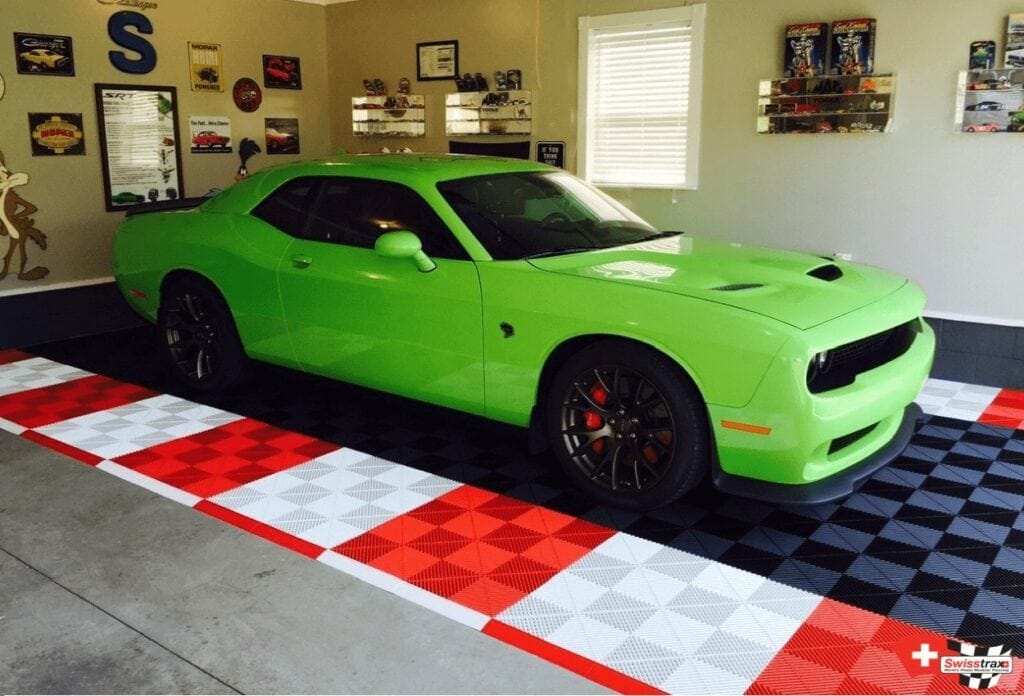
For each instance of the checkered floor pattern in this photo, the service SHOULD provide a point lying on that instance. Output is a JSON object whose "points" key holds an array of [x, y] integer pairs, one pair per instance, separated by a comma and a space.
{"points": [[711, 595]]}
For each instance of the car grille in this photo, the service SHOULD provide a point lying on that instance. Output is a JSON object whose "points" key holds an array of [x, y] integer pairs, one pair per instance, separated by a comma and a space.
{"points": [[841, 443], [847, 361]]}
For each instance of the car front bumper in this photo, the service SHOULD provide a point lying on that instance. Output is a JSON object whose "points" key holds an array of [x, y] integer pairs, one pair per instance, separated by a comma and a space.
{"points": [[788, 444]]}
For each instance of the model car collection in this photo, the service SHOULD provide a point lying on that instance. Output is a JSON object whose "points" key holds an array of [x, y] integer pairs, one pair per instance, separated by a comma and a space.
{"points": [[646, 360]]}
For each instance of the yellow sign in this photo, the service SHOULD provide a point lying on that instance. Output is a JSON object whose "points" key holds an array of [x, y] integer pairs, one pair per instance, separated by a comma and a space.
{"points": [[57, 135], [205, 67]]}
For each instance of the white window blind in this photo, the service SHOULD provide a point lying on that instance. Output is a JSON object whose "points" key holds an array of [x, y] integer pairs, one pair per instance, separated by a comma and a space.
{"points": [[641, 111]]}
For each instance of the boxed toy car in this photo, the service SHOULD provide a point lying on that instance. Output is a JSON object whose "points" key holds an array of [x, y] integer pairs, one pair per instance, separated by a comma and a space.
{"points": [[853, 46], [806, 45]]}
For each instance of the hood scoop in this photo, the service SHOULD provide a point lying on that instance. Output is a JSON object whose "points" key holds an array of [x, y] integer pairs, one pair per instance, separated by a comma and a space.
{"points": [[828, 272], [738, 286]]}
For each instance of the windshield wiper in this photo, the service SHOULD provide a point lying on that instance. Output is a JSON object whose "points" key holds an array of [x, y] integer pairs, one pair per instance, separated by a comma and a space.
{"points": [[656, 235], [567, 250]]}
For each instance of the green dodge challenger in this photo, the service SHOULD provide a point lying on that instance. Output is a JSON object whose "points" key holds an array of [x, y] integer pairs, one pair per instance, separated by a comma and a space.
{"points": [[646, 360]]}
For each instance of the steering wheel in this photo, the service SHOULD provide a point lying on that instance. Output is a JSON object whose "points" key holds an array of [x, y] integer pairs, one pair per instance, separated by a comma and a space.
{"points": [[553, 218]]}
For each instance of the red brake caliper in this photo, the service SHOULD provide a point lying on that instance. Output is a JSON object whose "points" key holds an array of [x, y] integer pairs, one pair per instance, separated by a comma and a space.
{"points": [[592, 420]]}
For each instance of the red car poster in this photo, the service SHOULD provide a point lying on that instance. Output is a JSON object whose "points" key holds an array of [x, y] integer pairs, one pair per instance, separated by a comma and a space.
{"points": [[282, 72], [210, 134]]}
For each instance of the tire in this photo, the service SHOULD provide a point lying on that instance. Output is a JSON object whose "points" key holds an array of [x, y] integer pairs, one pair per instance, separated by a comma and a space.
{"points": [[198, 337], [627, 425]]}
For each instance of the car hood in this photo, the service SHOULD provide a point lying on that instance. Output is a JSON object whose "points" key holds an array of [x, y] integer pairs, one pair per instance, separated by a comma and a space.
{"points": [[801, 290]]}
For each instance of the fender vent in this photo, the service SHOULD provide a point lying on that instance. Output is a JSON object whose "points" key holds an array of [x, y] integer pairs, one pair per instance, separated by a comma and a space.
{"points": [[738, 286], [828, 272]]}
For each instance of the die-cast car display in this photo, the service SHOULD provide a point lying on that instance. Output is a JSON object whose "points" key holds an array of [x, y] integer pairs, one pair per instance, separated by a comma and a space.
{"points": [[645, 360]]}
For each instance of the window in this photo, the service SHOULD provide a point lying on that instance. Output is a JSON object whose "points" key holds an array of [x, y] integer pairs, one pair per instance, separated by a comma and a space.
{"points": [[357, 211], [640, 98], [286, 208]]}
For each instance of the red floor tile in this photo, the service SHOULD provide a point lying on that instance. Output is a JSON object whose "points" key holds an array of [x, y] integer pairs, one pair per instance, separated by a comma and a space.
{"points": [[11, 355], [1006, 410], [218, 460], [480, 549], [37, 407], [841, 649]]}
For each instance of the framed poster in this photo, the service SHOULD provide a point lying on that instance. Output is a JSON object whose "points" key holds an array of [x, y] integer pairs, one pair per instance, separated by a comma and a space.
{"points": [[210, 134], [139, 144], [282, 136], [43, 54], [437, 60], [282, 72], [205, 67]]}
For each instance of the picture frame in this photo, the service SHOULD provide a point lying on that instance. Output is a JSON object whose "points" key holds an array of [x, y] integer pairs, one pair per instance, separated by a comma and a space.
{"points": [[139, 145], [282, 72], [437, 60], [44, 54]]}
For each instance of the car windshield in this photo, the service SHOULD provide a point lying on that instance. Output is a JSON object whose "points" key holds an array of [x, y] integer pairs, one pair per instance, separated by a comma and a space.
{"points": [[531, 214]]}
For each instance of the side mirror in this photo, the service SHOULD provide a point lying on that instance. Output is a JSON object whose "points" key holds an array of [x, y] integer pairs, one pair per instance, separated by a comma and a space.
{"points": [[401, 244]]}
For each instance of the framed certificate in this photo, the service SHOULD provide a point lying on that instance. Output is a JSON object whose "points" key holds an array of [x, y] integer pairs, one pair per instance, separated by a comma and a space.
{"points": [[437, 60]]}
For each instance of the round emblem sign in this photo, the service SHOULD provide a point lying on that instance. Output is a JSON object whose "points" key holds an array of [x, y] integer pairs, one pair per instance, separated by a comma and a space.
{"points": [[2, 88], [247, 94]]}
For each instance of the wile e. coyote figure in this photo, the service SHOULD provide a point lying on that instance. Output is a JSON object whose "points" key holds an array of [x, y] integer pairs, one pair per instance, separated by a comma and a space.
{"points": [[16, 223]]}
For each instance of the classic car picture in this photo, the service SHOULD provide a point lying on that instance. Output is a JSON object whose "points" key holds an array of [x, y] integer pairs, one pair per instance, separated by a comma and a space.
{"points": [[43, 54], [210, 139], [282, 135], [643, 361], [282, 72]]}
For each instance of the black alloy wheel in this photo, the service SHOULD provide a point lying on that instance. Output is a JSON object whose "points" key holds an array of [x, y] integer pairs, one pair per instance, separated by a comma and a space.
{"points": [[628, 426], [199, 336]]}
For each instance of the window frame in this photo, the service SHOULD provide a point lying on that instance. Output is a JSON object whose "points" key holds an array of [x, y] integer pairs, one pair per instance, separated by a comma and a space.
{"points": [[694, 15]]}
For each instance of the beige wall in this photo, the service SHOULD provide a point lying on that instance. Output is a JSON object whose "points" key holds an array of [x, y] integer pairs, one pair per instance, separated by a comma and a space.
{"points": [[941, 207], [69, 190]]}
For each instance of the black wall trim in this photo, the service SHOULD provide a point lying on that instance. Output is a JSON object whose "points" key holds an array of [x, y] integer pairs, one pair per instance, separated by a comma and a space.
{"points": [[54, 315], [979, 353]]}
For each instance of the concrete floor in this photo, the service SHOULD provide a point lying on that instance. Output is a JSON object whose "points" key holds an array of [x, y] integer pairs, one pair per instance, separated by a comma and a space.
{"points": [[107, 588]]}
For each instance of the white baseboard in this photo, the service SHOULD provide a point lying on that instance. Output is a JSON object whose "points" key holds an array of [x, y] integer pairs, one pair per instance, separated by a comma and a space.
{"points": [[55, 286]]}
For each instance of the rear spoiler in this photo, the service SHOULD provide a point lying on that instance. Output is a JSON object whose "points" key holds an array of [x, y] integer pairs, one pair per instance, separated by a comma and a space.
{"points": [[161, 206]]}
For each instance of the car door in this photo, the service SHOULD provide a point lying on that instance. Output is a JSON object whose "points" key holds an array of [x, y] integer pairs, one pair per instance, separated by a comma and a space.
{"points": [[357, 316]]}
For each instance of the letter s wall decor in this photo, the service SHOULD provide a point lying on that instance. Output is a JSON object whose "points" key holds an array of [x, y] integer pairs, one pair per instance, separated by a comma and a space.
{"points": [[117, 28]]}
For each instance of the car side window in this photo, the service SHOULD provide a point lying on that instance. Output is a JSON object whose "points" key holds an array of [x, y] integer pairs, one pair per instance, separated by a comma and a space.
{"points": [[288, 207], [357, 211]]}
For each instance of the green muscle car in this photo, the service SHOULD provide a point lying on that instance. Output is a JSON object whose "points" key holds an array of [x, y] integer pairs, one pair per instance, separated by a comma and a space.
{"points": [[646, 360]]}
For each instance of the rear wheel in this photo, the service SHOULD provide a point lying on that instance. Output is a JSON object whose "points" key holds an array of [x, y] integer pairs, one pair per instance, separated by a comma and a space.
{"points": [[627, 425], [199, 337]]}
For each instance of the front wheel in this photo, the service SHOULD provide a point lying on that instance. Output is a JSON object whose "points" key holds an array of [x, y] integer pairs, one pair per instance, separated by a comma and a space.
{"points": [[628, 426], [199, 338]]}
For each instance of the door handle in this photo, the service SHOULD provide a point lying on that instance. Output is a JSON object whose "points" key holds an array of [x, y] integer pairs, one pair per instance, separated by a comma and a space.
{"points": [[301, 261]]}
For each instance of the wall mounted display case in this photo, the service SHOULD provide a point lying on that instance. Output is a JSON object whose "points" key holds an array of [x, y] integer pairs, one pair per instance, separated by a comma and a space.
{"points": [[990, 101], [401, 116], [826, 104], [505, 112]]}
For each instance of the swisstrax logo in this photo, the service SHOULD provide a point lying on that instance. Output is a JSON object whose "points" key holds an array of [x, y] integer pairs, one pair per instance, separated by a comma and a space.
{"points": [[975, 666]]}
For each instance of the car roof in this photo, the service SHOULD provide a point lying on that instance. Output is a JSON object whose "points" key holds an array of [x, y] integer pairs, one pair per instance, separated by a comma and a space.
{"points": [[422, 171]]}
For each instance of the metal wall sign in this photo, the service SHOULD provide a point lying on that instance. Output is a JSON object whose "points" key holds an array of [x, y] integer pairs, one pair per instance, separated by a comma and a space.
{"points": [[551, 152]]}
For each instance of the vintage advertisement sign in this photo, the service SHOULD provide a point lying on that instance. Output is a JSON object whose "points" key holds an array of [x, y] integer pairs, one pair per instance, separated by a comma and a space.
{"points": [[282, 136], [210, 134], [138, 139], [205, 67], [43, 54], [56, 134]]}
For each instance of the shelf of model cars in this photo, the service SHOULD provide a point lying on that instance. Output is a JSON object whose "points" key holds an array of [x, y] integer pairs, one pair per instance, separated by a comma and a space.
{"points": [[826, 104], [400, 116], [990, 101], [505, 112]]}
